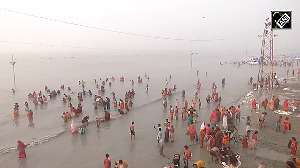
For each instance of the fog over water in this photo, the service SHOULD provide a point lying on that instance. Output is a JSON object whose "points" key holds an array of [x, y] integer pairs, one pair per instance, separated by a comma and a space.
{"points": [[153, 37]]}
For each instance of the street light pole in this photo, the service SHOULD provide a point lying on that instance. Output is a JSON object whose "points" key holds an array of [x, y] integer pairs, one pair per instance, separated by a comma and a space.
{"points": [[192, 60], [13, 64]]}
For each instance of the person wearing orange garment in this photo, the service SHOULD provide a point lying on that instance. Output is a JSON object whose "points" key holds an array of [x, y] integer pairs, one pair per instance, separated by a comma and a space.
{"points": [[187, 155], [226, 139], [264, 103], [171, 112], [202, 135], [294, 147], [286, 125], [253, 105], [223, 110], [286, 105], [272, 104]]}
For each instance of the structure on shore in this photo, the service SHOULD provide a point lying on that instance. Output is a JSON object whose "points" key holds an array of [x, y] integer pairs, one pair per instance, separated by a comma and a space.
{"points": [[266, 71]]}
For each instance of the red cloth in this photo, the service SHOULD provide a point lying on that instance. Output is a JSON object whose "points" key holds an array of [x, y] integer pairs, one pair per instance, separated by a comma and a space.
{"points": [[213, 115], [207, 130], [21, 147], [192, 131], [254, 136], [254, 104], [107, 116], [286, 125], [294, 148], [107, 163], [188, 154], [264, 103], [79, 109], [218, 116], [30, 115], [286, 105]]}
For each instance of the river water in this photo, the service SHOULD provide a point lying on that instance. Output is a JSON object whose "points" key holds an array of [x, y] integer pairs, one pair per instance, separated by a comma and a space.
{"points": [[53, 145]]}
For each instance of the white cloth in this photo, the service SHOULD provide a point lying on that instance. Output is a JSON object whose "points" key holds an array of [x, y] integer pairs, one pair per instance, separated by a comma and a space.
{"points": [[224, 121]]}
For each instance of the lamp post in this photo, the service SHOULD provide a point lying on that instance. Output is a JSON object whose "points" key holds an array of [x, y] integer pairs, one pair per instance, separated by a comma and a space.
{"points": [[13, 64]]}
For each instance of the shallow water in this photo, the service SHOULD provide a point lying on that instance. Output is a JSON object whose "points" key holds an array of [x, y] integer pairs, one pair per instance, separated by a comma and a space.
{"points": [[55, 146]]}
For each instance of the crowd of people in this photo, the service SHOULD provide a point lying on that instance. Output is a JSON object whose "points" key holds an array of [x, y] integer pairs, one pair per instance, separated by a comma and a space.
{"points": [[217, 134]]}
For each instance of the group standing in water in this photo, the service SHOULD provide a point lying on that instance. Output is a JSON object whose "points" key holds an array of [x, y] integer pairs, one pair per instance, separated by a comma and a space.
{"points": [[217, 136]]}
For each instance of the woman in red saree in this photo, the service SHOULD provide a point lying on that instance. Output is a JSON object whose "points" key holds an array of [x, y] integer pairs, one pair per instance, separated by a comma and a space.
{"points": [[253, 107], [286, 105], [21, 148], [294, 147]]}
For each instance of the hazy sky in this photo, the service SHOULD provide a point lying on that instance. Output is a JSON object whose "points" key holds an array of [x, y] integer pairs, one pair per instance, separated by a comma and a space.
{"points": [[241, 20]]}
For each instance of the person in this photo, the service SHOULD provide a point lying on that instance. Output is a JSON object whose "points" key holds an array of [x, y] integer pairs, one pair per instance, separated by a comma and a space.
{"points": [[248, 124], [238, 114], [30, 118], [192, 133], [68, 115], [210, 142], [214, 117], [208, 98], [176, 113], [202, 135], [234, 162], [199, 164], [165, 103], [161, 146], [16, 110], [286, 105], [253, 105], [183, 114], [264, 103], [246, 140], [131, 129], [30, 115], [171, 112], [278, 123], [261, 120], [290, 164], [225, 118], [172, 133], [107, 115], [159, 135], [296, 162], [276, 103], [254, 140], [215, 153], [294, 147], [64, 116], [26, 106], [97, 121], [122, 164], [107, 162], [83, 127], [200, 103], [187, 155], [74, 128], [167, 134], [186, 104], [21, 148], [226, 139], [218, 137], [286, 125], [272, 101]]}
